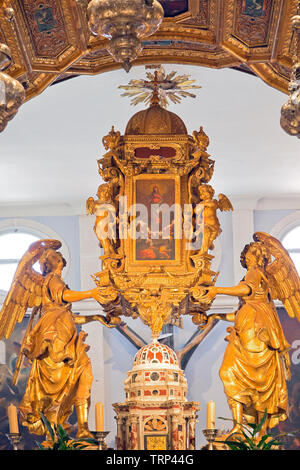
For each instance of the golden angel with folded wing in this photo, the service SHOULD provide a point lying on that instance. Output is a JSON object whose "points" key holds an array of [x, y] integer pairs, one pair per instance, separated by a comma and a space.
{"points": [[256, 362], [60, 376]]}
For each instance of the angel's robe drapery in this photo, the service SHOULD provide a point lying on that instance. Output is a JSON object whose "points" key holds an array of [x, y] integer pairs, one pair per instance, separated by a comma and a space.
{"points": [[61, 373], [256, 362]]}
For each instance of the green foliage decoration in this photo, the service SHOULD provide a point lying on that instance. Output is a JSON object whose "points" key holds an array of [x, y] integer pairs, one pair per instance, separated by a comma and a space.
{"points": [[60, 440], [248, 438]]}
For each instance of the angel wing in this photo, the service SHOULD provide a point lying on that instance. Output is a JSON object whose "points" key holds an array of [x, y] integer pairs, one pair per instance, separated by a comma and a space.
{"points": [[90, 206], [224, 203], [26, 288], [282, 274]]}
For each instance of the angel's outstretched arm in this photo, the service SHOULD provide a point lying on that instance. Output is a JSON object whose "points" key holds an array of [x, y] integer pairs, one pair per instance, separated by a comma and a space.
{"points": [[223, 316], [76, 296], [240, 290], [83, 319]]}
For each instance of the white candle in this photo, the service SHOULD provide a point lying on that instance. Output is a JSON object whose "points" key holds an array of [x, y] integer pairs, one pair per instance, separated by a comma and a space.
{"points": [[13, 419], [99, 416], [210, 416]]}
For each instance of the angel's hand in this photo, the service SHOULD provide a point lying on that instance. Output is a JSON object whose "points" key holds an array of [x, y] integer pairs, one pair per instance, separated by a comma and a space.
{"points": [[205, 320], [105, 322], [209, 294], [200, 319]]}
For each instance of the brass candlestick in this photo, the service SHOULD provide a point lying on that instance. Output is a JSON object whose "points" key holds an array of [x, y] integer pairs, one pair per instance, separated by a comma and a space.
{"points": [[210, 435], [15, 439], [100, 437]]}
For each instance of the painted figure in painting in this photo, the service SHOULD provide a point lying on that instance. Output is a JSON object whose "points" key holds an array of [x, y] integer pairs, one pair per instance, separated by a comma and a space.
{"points": [[208, 207], [256, 362], [156, 197], [61, 375]]}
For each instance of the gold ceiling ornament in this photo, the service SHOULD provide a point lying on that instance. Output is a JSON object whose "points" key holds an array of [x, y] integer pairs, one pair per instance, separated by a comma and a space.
{"points": [[167, 86], [152, 218], [12, 93], [124, 23], [51, 41], [290, 111]]}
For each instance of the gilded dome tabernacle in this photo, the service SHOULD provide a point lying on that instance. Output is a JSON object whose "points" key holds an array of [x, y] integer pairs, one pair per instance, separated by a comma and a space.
{"points": [[155, 120]]}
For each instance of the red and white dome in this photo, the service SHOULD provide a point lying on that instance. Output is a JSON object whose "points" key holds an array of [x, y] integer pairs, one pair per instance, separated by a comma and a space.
{"points": [[155, 355], [155, 376]]}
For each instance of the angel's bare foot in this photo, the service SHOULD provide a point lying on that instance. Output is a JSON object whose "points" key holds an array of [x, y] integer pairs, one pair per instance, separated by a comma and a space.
{"points": [[236, 431]]}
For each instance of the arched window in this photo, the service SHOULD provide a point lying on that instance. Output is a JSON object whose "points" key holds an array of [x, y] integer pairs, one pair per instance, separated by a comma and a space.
{"points": [[13, 244], [291, 242], [287, 230], [16, 235]]}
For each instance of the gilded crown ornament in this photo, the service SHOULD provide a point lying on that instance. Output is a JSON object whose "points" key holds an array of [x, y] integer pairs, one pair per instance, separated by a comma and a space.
{"points": [[124, 23], [12, 93]]}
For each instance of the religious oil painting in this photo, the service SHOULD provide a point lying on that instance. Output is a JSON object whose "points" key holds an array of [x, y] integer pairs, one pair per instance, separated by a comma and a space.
{"points": [[155, 202]]}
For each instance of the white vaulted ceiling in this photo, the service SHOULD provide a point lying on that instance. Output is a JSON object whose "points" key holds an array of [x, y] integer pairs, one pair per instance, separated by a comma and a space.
{"points": [[49, 152]]}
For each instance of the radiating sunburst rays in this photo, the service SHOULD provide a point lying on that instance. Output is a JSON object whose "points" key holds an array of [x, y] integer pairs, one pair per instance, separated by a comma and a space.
{"points": [[171, 87]]}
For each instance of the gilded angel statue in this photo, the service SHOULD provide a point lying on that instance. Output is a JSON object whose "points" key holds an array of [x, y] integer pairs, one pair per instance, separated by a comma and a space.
{"points": [[209, 206], [256, 362], [61, 374]]}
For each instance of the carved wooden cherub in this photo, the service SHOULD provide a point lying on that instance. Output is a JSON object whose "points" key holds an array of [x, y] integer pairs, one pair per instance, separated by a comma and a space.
{"points": [[105, 210], [208, 207]]}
